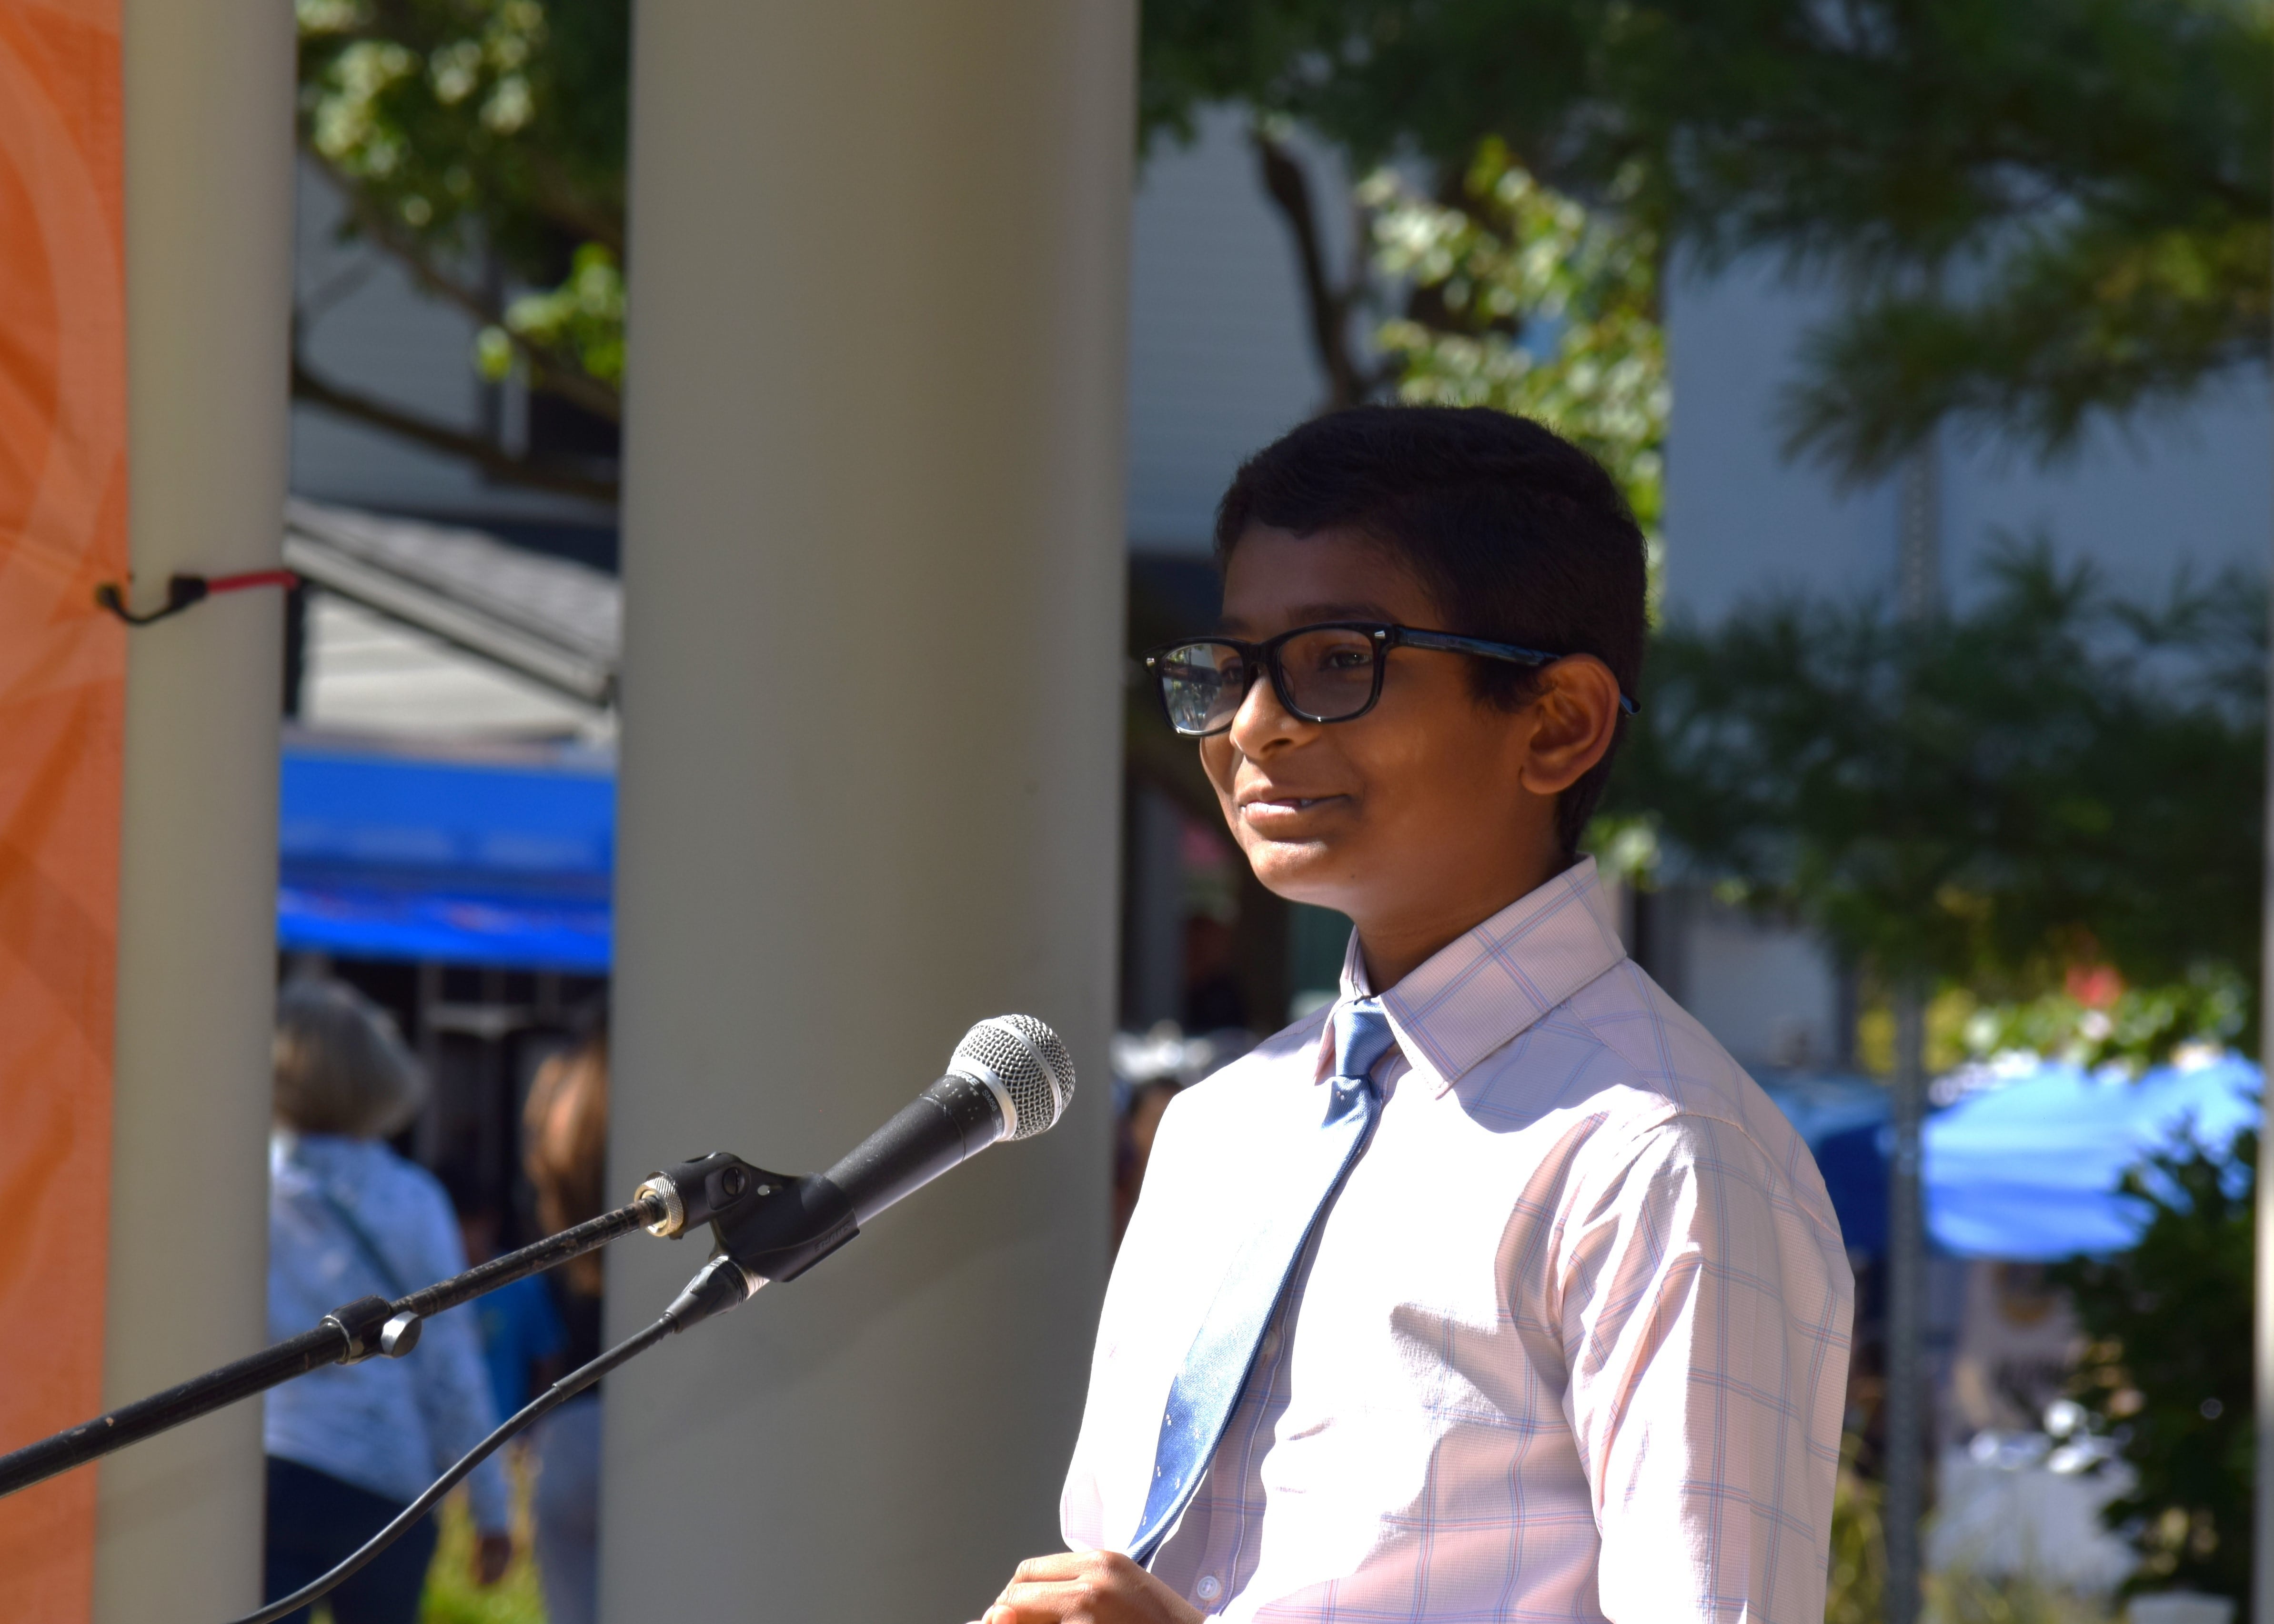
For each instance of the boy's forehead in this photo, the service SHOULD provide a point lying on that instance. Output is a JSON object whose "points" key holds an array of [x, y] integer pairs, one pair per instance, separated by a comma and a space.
{"points": [[1275, 580], [1308, 614]]}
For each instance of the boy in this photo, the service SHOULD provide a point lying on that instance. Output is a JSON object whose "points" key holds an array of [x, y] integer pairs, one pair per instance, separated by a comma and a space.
{"points": [[1497, 1291]]}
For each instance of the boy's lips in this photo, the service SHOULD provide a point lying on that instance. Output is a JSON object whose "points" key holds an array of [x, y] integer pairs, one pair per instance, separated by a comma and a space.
{"points": [[1264, 811]]}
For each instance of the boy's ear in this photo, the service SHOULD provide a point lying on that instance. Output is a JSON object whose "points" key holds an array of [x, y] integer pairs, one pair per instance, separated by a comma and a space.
{"points": [[1574, 717]]}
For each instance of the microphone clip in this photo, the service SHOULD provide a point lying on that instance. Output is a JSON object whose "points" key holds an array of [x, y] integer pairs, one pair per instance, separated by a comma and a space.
{"points": [[774, 1226]]}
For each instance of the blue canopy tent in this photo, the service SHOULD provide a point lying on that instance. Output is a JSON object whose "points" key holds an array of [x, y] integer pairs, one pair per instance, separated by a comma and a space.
{"points": [[1840, 1119], [500, 864], [2026, 1170]]}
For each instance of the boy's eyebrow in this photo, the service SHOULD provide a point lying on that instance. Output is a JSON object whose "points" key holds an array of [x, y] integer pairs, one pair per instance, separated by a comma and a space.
{"points": [[1314, 614]]}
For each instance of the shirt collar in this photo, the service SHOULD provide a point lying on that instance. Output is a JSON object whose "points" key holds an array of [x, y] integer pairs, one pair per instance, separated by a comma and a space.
{"points": [[1478, 994]]}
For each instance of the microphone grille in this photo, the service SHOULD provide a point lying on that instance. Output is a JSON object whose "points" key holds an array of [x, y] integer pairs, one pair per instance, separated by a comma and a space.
{"points": [[1028, 1063]]}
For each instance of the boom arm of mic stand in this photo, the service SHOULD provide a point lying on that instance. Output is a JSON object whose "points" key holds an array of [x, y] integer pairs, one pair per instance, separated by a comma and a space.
{"points": [[772, 1226], [357, 1331]]}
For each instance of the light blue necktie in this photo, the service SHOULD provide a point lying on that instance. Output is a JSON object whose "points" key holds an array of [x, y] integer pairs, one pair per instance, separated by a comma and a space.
{"points": [[1216, 1366]]}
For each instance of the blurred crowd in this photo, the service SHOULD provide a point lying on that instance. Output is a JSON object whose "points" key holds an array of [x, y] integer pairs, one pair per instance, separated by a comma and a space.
{"points": [[349, 1446]]}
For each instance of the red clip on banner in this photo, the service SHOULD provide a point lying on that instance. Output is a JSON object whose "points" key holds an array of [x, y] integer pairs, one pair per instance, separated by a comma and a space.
{"points": [[63, 678]]}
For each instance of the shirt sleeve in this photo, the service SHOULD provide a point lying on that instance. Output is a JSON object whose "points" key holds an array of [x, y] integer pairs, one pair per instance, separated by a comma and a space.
{"points": [[447, 1376], [1704, 1317]]}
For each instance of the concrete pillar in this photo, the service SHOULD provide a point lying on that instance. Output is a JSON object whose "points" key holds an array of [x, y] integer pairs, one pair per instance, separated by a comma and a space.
{"points": [[873, 571], [208, 95]]}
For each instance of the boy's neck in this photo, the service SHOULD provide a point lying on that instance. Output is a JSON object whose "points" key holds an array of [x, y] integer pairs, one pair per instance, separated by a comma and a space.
{"points": [[1394, 946]]}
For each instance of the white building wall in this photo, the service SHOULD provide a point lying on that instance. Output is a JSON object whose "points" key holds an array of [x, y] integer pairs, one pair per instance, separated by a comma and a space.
{"points": [[1741, 522], [1220, 356], [1766, 991], [1220, 360]]}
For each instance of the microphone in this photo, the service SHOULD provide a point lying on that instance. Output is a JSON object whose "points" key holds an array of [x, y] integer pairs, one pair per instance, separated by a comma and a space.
{"points": [[1010, 1078]]}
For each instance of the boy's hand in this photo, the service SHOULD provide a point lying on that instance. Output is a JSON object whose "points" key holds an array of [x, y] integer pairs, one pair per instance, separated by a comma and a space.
{"points": [[1087, 1587]]}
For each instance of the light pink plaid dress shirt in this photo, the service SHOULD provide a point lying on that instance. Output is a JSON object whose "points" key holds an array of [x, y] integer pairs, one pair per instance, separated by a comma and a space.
{"points": [[1571, 1344]]}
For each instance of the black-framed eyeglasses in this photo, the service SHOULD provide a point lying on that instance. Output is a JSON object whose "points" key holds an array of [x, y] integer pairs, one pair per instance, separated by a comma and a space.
{"points": [[1331, 672]]}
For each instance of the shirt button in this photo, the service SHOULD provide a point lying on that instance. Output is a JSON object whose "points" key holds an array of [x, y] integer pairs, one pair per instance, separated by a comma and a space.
{"points": [[1209, 1588], [1268, 1348]]}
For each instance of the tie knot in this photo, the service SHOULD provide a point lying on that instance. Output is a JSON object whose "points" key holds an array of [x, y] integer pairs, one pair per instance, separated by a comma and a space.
{"points": [[1362, 1037]]}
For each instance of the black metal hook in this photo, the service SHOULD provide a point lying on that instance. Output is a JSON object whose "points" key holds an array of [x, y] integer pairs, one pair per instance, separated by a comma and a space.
{"points": [[181, 590]]}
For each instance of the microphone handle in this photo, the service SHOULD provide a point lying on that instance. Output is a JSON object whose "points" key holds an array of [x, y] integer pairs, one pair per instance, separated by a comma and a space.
{"points": [[950, 1122]]}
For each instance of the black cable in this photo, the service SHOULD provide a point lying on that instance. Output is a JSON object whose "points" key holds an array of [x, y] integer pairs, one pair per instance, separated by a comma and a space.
{"points": [[560, 1392], [719, 1285]]}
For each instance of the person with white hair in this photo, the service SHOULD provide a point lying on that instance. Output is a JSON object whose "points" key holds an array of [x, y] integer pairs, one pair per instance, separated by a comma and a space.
{"points": [[349, 1446]]}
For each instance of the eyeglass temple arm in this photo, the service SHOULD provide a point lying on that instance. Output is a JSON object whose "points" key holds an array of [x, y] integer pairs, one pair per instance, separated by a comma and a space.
{"points": [[1452, 642]]}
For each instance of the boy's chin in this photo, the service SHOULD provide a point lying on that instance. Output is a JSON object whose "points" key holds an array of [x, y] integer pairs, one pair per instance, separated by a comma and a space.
{"points": [[1298, 870]]}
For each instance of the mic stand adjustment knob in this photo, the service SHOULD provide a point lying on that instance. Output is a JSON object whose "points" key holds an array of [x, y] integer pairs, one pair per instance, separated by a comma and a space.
{"points": [[360, 1324], [372, 1329], [400, 1334]]}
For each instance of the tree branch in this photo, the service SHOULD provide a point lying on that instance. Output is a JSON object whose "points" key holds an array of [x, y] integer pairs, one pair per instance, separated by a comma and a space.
{"points": [[1349, 383], [548, 373], [549, 370], [376, 228], [559, 199], [484, 454]]}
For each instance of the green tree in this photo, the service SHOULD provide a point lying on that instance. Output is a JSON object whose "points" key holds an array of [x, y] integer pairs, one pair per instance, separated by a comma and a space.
{"points": [[2167, 1367], [2040, 214], [2043, 213], [1528, 301], [479, 144], [1980, 797], [2136, 1028]]}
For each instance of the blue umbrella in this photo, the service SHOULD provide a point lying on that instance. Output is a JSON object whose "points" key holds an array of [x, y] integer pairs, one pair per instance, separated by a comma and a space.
{"points": [[2029, 1171]]}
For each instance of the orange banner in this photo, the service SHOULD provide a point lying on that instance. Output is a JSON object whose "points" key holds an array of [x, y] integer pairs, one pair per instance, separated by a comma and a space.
{"points": [[63, 680]]}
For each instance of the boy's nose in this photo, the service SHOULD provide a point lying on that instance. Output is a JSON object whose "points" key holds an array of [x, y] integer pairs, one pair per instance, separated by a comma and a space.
{"points": [[1262, 720]]}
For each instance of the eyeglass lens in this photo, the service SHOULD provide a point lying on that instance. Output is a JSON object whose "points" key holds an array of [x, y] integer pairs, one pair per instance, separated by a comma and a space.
{"points": [[1328, 675]]}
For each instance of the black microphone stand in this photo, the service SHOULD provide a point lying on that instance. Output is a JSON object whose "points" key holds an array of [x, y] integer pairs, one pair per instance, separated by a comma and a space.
{"points": [[768, 1226], [368, 1327]]}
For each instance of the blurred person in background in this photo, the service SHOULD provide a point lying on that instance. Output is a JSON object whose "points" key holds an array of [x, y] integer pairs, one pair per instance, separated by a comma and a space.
{"points": [[523, 1338], [1213, 1000], [1133, 1151], [349, 1446], [566, 1158]]}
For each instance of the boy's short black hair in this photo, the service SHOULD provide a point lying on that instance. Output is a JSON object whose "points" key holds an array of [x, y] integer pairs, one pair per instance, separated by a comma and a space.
{"points": [[1518, 535]]}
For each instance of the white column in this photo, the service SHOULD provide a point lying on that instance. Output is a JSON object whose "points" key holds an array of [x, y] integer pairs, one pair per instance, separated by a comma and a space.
{"points": [[873, 570], [209, 94]]}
